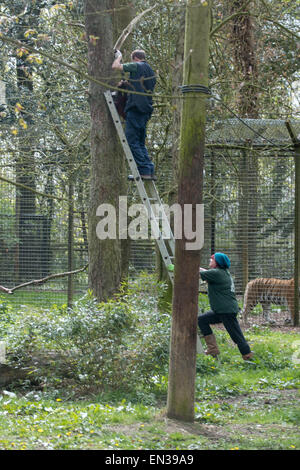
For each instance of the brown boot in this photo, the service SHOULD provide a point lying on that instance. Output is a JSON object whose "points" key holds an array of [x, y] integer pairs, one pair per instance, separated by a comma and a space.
{"points": [[212, 347], [248, 356]]}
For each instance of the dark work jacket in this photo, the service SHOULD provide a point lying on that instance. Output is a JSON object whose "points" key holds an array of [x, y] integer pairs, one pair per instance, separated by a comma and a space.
{"points": [[221, 291], [140, 81]]}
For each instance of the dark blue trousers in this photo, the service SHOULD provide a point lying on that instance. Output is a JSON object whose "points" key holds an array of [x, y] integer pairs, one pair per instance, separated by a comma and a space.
{"points": [[135, 131], [231, 324]]}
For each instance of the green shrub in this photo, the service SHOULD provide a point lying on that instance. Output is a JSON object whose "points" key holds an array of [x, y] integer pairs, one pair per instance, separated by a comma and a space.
{"points": [[83, 343], [122, 343]]}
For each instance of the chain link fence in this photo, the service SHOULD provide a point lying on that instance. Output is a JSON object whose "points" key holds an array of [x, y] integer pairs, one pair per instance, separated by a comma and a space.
{"points": [[250, 211], [249, 197]]}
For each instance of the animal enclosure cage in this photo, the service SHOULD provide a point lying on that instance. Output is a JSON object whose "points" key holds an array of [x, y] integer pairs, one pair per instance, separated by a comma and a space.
{"points": [[251, 200], [250, 203]]}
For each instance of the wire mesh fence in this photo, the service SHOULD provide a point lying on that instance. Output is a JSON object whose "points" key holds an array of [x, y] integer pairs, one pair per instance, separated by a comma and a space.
{"points": [[250, 213], [249, 198]]}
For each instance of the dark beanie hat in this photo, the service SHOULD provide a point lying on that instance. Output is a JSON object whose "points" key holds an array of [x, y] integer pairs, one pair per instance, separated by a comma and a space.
{"points": [[222, 260]]}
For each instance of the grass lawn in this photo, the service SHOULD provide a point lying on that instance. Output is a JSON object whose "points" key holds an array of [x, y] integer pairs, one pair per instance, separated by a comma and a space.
{"points": [[239, 406]]}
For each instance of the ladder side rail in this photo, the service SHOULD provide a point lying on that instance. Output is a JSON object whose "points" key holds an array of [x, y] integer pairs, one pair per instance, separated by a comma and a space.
{"points": [[141, 187], [139, 183], [166, 257], [121, 133], [164, 218]]}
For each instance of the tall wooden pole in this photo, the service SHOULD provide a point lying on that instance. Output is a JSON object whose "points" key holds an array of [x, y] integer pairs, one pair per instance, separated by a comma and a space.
{"points": [[190, 185]]}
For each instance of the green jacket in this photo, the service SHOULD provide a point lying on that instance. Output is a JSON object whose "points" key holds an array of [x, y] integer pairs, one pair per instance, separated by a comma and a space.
{"points": [[221, 291]]}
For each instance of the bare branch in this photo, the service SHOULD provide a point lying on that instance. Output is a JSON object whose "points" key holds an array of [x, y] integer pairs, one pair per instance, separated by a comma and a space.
{"points": [[38, 193], [240, 12], [130, 27], [229, 18], [4, 289], [41, 281]]}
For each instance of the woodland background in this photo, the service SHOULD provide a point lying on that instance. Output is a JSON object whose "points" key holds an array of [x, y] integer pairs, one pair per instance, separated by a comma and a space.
{"points": [[48, 179]]}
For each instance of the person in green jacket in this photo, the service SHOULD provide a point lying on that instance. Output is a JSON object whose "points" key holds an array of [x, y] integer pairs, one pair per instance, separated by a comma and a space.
{"points": [[224, 306]]}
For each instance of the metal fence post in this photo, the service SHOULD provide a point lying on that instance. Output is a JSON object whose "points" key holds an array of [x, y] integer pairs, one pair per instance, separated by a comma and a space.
{"points": [[296, 143]]}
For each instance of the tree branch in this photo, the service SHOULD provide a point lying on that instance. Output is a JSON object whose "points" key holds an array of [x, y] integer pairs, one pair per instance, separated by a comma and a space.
{"points": [[41, 281], [240, 12], [237, 13], [130, 27], [84, 75], [276, 23], [38, 193]]}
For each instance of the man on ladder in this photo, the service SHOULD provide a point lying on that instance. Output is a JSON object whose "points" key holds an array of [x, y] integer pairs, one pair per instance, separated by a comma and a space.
{"points": [[138, 108]]}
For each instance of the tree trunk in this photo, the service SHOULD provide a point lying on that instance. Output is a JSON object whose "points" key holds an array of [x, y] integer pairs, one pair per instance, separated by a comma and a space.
{"points": [[245, 64], [123, 14], [107, 161], [26, 223], [190, 185]]}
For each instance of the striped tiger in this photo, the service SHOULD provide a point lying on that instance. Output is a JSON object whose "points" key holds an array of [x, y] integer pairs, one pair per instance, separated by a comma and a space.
{"points": [[267, 291]]}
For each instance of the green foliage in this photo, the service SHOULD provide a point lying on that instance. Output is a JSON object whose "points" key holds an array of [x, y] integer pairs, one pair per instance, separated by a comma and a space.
{"points": [[121, 344], [210, 413], [4, 305], [203, 303], [207, 365], [271, 357]]}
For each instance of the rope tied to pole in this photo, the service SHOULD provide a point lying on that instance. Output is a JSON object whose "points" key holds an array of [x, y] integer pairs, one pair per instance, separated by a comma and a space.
{"points": [[195, 89]]}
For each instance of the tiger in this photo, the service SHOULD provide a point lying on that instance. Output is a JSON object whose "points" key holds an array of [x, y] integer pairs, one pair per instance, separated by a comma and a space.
{"points": [[267, 291]]}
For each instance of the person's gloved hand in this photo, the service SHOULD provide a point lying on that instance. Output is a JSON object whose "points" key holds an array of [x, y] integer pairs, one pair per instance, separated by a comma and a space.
{"points": [[117, 53]]}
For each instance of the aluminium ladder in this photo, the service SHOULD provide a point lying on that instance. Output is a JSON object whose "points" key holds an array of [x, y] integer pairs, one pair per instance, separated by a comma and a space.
{"points": [[150, 198]]}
